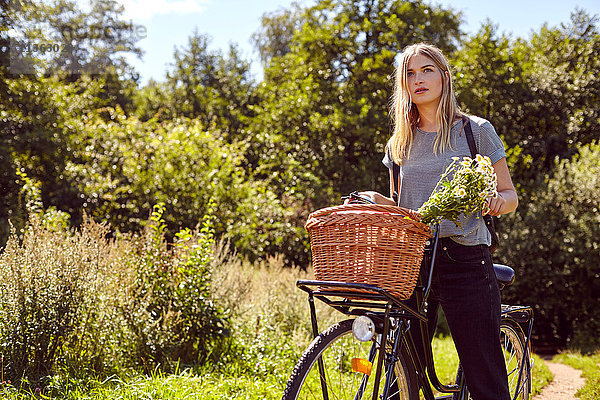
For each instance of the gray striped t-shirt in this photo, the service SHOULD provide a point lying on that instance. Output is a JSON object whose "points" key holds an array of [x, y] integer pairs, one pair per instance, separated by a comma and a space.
{"points": [[421, 171]]}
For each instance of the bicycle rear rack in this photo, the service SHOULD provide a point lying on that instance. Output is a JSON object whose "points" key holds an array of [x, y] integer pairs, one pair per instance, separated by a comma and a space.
{"points": [[344, 297]]}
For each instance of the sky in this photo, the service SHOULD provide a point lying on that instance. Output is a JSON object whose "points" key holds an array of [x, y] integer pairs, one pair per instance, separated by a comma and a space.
{"points": [[169, 23]]}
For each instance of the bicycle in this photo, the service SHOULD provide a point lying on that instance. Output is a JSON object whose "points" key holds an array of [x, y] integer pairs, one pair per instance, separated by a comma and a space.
{"points": [[348, 361]]}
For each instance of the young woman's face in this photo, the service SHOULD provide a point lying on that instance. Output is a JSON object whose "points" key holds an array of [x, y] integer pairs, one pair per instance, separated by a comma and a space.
{"points": [[424, 80]]}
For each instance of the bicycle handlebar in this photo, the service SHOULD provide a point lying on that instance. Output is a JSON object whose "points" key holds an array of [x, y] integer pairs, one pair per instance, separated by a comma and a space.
{"points": [[356, 198]]}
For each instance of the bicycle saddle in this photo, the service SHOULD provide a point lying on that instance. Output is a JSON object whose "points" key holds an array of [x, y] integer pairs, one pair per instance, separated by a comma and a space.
{"points": [[504, 274]]}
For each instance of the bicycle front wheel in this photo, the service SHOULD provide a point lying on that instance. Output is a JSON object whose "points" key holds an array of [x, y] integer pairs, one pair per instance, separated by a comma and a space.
{"points": [[348, 370]]}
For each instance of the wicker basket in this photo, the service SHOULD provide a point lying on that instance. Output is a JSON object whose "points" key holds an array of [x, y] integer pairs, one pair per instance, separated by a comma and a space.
{"points": [[368, 243]]}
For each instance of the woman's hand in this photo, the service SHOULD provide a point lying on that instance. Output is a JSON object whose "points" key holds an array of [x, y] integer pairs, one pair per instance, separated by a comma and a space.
{"points": [[495, 205], [507, 200], [375, 197]]}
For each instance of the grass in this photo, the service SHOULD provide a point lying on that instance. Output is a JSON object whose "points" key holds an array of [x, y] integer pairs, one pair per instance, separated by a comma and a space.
{"points": [[445, 358], [185, 385], [236, 384], [188, 386], [590, 367], [541, 375]]}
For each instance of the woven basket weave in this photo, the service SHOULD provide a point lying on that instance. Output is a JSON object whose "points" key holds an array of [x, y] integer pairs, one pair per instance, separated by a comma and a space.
{"points": [[368, 243]]}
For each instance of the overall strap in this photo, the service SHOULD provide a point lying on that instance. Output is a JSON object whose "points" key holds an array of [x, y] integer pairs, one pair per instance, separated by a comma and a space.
{"points": [[469, 135], [489, 221], [395, 175]]}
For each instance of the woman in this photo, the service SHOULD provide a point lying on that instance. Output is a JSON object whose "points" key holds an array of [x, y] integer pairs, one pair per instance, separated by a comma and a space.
{"points": [[428, 132]]}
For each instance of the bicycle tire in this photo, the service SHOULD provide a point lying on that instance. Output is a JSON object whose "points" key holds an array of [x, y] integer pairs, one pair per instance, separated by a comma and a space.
{"points": [[336, 346], [512, 340]]}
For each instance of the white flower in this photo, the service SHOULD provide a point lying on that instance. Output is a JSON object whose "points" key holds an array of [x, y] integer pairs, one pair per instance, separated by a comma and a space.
{"points": [[460, 192], [473, 181]]}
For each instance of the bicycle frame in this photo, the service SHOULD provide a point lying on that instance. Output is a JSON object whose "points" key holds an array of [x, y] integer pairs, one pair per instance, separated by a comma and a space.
{"points": [[383, 308]]}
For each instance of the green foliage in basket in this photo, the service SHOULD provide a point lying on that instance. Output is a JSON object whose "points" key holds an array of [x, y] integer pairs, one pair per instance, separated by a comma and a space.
{"points": [[465, 192]]}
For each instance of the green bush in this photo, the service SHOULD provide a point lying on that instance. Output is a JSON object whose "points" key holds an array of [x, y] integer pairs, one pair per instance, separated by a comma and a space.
{"points": [[554, 245], [124, 166], [46, 281], [170, 313], [78, 303]]}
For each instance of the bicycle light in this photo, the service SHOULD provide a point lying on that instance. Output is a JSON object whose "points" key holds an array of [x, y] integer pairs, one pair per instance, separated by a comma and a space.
{"points": [[363, 328]]}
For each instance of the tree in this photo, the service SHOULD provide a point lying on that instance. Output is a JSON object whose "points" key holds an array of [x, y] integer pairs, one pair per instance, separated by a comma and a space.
{"points": [[155, 100], [554, 246], [93, 40], [95, 43], [322, 122], [8, 177], [565, 73], [43, 121], [123, 167], [92, 43], [277, 31], [32, 126], [539, 94], [490, 82], [43, 97], [209, 86]]}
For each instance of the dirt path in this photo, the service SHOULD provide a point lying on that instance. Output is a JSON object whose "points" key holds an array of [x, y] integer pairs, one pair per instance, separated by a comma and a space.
{"points": [[567, 380]]}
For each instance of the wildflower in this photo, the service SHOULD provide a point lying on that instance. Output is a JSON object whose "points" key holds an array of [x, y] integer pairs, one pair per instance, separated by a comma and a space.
{"points": [[460, 192], [466, 192]]}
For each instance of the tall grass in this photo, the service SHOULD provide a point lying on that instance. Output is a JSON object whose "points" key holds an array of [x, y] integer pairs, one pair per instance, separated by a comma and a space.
{"points": [[77, 303], [270, 316], [58, 290]]}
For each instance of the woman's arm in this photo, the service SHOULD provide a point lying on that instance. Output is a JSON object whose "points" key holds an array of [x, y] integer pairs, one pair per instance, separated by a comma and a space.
{"points": [[507, 200], [378, 197]]}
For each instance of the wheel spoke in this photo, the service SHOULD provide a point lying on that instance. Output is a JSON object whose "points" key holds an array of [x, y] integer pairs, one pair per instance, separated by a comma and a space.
{"points": [[337, 348]]}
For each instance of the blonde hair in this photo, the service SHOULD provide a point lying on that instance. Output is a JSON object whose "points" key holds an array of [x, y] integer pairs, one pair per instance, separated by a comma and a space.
{"points": [[404, 113]]}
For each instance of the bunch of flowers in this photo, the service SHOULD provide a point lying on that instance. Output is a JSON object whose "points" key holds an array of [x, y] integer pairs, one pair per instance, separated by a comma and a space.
{"points": [[474, 180]]}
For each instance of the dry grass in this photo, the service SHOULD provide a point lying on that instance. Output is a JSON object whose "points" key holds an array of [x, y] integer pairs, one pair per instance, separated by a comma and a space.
{"points": [[264, 301]]}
